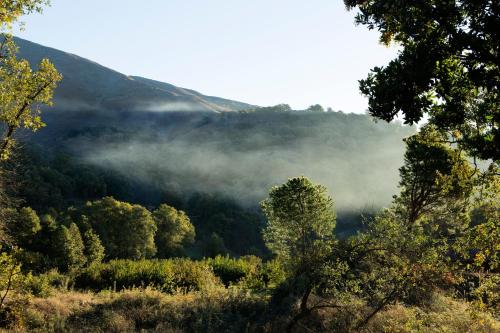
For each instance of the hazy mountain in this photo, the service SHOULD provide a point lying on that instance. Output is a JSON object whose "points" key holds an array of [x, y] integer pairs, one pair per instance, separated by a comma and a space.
{"points": [[113, 121], [88, 85]]}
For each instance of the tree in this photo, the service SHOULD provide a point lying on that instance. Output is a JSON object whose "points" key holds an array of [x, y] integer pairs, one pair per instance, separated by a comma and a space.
{"points": [[214, 246], [11, 278], [22, 90], [478, 249], [175, 231], [22, 225], [94, 251], [433, 175], [69, 248], [127, 231], [299, 232], [390, 262], [315, 108], [447, 67], [276, 108], [11, 10], [411, 248]]}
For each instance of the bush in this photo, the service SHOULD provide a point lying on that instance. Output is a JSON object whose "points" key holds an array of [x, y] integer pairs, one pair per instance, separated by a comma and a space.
{"points": [[249, 271], [38, 286], [45, 285], [171, 275], [231, 270], [444, 314]]}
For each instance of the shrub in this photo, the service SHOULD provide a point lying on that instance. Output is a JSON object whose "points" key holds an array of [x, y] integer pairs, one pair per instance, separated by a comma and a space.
{"points": [[45, 285], [38, 286], [231, 270], [248, 272], [171, 275]]}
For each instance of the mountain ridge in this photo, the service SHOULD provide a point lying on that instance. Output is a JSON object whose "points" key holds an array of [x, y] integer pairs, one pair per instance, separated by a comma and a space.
{"points": [[87, 84]]}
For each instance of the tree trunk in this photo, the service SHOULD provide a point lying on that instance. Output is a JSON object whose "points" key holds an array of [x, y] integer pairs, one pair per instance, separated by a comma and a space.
{"points": [[305, 298], [304, 310]]}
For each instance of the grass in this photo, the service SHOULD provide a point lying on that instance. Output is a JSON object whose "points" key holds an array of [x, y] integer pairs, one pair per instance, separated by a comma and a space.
{"points": [[149, 310], [230, 310]]}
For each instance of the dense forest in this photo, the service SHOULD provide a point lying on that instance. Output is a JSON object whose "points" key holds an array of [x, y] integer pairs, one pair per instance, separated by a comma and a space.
{"points": [[135, 205]]}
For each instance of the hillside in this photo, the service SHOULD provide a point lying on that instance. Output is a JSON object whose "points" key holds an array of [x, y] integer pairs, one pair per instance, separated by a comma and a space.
{"points": [[120, 123], [88, 85]]}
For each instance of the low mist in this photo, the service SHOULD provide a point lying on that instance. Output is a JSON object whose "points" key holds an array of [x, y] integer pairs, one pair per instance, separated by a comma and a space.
{"points": [[243, 156]]}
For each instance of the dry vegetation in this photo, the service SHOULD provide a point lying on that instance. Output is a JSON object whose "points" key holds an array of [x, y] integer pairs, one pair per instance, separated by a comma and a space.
{"points": [[229, 310]]}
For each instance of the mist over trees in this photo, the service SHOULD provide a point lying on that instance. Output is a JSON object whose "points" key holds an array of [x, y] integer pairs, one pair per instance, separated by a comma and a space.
{"points": [[237, 155]]}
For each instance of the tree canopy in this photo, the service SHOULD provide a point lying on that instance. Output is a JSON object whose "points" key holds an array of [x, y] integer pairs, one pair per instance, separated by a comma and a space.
{"points": [[22, 90], [447, 68], [174, 231], [126, 230], [300, 222], [11, 10]]}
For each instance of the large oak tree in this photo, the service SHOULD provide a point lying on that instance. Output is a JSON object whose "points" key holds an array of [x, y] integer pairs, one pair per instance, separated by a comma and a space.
{"points": [[447, 68]]}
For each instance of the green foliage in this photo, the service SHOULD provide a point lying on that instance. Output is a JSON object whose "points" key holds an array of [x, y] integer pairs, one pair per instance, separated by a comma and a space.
{"points": [[394, 262], [214, 246], [404, 253], [447, 67], [480, 244], [477, 251], [440, 232], [280, 108], [220, 223], [300, 227], [173, 275], [46, 284], [300, 224], [229, 270], [175, 231], [22, 225], [126, 230], [315, 108], [22, 92], [69, 248], [170, 276], [11, 10], [11, 278], [247, 272], [94, 251], [55, 182], [433, 176]]}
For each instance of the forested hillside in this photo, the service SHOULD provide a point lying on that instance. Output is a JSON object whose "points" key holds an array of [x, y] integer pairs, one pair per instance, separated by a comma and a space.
{"points": [[216, 167], [236, 155]]}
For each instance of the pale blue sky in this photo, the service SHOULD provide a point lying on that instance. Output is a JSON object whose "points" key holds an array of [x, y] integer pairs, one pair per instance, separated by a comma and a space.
{"points": [[264, 52]]}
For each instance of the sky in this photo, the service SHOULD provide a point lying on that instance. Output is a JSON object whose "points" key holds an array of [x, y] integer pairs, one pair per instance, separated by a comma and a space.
{"points": [[263, 52]]}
